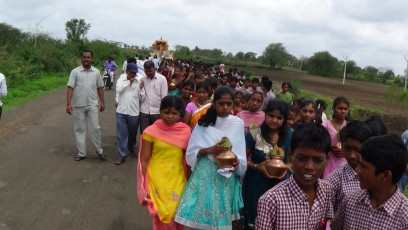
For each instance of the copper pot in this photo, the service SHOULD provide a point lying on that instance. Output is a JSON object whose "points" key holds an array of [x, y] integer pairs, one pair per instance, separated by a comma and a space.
{"points": [[276, 167], [225, 159]]}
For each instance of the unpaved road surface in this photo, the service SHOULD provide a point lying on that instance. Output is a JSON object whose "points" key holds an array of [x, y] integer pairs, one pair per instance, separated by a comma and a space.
{"points": [[42, 187]]}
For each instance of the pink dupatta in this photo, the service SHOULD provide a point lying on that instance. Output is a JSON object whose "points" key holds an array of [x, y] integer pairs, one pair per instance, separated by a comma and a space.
{"points": [[178, 135]]}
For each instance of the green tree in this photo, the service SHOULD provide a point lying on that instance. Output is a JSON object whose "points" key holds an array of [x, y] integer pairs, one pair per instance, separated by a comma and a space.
{"points": [[275, 54], [10, 36], [250, 56], [183, 52], [324, 64], [239, 56], [76, 30], [371, 72]]}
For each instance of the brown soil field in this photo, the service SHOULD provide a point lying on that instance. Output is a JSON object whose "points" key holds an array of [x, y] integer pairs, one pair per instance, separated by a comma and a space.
{"points": [[365, 94]]}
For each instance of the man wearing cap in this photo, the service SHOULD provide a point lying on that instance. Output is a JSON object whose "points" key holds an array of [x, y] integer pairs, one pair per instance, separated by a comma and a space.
{"points": [[85, 85], [130, 93]]}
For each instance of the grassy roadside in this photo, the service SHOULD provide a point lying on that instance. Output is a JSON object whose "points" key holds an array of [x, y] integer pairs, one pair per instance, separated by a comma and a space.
{"points": [[31, 89]]}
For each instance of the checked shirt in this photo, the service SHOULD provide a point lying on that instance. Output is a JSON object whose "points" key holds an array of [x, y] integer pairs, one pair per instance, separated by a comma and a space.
{"points": [[286, 206], [357, 213], [344, 180]]}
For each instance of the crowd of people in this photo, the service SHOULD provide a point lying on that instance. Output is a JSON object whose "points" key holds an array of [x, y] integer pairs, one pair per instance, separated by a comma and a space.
{"points": [[340, 173]]}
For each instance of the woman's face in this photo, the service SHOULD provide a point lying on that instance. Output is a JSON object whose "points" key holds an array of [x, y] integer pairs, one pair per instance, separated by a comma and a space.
{"points": [[243, 104], [285, 88], [291, 119], [307, 113], [170, 115], [274, 120], [237, 99], [202, 95], [187, 91], [255, 102], [223, 106], [340, 111]]}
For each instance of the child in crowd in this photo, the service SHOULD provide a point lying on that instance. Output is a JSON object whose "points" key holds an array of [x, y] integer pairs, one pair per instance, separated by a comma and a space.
{"points": [[334, 125], [173, 90], [285, 94], [212, 85], [291, 116], [225, 80], [272, 134], [321, 105], [161, 173], [344, 179], [211, 200], [307, 110], [253, 116], [268, 96], [234, 84], [296, 103], [237, 100], [246, 85], [243, 103], [197, 106], [379, 204], [254, 86], [187, 91], [303, 201]]}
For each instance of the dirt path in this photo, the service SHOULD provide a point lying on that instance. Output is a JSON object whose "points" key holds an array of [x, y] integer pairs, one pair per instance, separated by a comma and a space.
{"points": [[42, 187]]}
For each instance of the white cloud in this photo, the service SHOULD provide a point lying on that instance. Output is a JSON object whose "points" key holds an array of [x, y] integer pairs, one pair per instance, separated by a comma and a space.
{"points": [[370, 32]]}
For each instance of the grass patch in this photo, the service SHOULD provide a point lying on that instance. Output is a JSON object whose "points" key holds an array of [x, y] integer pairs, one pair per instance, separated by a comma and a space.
{"points": [[406, 192], [31, 89]]}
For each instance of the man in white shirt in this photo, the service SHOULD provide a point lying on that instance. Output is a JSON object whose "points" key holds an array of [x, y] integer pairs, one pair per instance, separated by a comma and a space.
{"points": [[155, 62], [124, 65], [140, 66], [130, 93], [156, 89], [3, 90]]}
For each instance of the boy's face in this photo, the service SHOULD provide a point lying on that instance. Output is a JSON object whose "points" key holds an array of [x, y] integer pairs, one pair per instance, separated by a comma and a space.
{"points": [[246, 84], [350, 150], [254, 85], [366, 175], [308, 165]]}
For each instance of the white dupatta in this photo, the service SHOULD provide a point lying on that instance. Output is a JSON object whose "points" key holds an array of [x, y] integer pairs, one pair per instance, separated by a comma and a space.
{"points": [[204, 137]]}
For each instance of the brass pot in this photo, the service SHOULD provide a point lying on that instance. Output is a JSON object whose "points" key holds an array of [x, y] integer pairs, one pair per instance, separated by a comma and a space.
{"points": [[225, 159], [276, 167]]}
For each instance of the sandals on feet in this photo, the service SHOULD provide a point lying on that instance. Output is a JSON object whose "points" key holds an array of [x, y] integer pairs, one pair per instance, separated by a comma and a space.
{"points": [[120, 161], [101, 156], [79, 158]]}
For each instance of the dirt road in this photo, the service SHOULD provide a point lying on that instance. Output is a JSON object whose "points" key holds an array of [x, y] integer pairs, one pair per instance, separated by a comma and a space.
{"points": [[42, 187]]}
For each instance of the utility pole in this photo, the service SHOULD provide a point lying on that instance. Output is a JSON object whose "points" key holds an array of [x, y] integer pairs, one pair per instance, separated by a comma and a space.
{"points": [[345, 67], [301, 62], [406, 73]]}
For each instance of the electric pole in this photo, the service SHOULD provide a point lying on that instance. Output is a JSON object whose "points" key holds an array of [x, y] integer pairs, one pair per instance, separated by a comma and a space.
{"points": [[345, 67], [406, 73]]}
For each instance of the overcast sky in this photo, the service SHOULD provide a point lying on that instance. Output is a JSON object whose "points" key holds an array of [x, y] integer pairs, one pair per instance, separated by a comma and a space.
{"points": [[370, 32]]}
